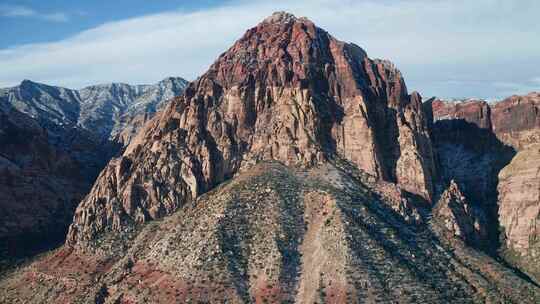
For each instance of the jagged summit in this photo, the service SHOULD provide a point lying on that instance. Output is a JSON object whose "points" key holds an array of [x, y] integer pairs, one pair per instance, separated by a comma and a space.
{"points": [[279, 17], [104, 109], [288, 92], [26, 82]]}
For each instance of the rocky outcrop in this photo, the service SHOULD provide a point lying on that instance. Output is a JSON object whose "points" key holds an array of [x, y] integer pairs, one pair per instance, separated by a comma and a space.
{"points": [[516, 120], [474, 111], [460, 218], [285, 91]]}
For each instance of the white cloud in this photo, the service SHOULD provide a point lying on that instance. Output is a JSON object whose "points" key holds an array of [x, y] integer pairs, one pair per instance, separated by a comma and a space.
{"points": [[474, 43], [536, 80], [57, 17], [23, 11], [15, 11]]}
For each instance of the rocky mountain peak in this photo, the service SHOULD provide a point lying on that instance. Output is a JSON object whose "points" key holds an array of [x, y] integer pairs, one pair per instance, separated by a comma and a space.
{"points": [[27, 82], [280, 17], [54, 142], [103, 109], [285, 91], [172, 79]]}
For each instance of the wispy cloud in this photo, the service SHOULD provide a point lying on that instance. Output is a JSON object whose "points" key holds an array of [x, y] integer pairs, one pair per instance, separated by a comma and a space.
{"points": [[430, 41], [518, 87], [57, 17], [23, 11], [536, 80], [15, 11]]}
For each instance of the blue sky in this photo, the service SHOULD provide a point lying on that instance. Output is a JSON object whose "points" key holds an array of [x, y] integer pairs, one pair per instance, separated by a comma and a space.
{"points": [[482, 48], [31, 21]]}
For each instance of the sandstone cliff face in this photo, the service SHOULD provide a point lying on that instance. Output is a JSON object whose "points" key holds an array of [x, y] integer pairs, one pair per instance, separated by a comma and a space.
{"points": [[516, 120], [519, 210], [469, 152], [473, 111], [287, 91]]}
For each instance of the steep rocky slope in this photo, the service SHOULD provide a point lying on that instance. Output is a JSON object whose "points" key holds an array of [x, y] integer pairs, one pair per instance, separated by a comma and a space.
{"points": [[142, 108], [274, 234], [517, 122], [491, 150], [471, 154], [52, 152]]}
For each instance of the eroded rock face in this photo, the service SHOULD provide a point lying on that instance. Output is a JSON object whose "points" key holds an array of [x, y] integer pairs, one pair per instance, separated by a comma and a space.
{"points": [[460, 218], [286, 91], [519, 210], [473, 111], [516, 120]]}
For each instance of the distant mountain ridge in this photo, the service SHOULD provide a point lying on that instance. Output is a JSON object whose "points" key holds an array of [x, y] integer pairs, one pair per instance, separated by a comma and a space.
{"points": [[103, 109], [54, 142]]}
